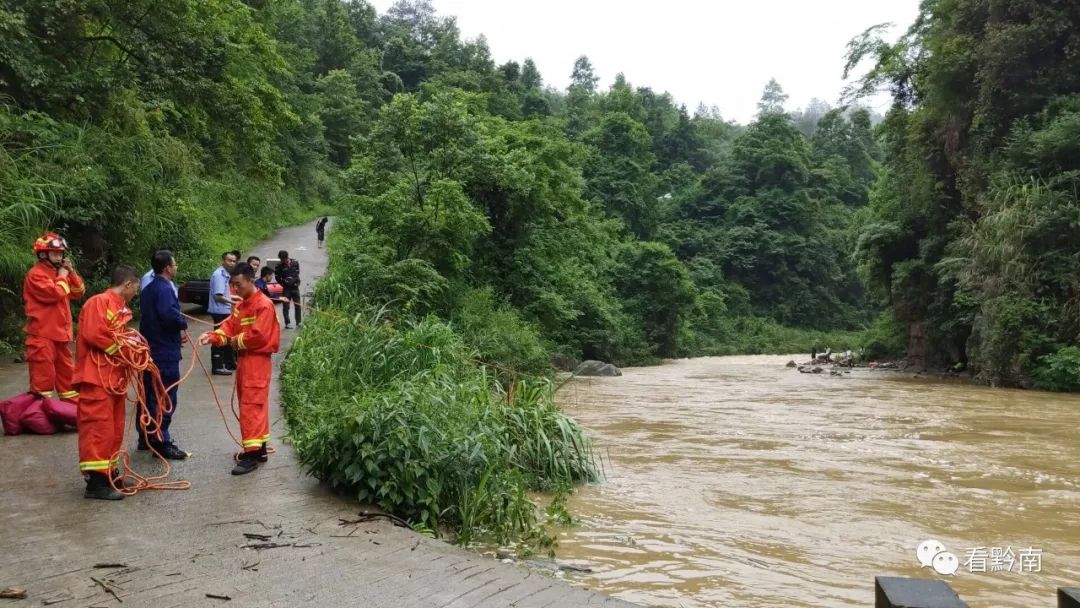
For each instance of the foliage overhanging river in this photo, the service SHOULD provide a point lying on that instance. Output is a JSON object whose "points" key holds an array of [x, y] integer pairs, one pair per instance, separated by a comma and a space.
{"points": [[734, 481]]}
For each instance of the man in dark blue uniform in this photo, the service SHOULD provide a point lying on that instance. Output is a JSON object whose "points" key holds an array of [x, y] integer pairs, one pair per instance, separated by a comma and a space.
{"points": [[162, 325]]}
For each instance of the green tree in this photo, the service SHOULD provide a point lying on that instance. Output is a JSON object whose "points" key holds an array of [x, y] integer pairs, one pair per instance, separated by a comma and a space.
{"points": [[975, 180], [657, 289], [773, 99]]}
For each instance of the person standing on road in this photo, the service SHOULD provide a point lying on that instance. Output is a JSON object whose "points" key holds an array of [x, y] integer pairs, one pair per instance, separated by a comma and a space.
{"points": [[220, 306], [288, 274], [254, 331], [162, 324], [48, 290], [320, 230], [103, 384]]}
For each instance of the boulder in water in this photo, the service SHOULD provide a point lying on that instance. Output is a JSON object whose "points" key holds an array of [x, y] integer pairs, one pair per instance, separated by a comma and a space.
{"points": [[596, 368], [792, 364], [563, 363]]}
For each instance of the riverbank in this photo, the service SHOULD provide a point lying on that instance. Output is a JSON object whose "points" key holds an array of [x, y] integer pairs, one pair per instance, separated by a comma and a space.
{"points": [[272, 538]]}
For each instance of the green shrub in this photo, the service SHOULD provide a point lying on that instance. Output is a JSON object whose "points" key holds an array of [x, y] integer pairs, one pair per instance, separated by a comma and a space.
{"points": [[1059, 371], [885, 338], [499, 334], [403, 418]]}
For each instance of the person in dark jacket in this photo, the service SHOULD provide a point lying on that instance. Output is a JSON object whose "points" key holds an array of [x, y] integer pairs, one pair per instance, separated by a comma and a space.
{"points": [[287, 273], [163, 327], [320, 230]]}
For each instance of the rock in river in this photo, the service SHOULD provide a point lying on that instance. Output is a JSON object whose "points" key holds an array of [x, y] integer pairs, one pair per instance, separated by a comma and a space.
{"points": [[596, 368]]}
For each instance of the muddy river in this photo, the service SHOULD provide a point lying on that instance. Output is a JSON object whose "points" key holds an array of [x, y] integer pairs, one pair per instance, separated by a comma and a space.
{"points": [[734, 481]]}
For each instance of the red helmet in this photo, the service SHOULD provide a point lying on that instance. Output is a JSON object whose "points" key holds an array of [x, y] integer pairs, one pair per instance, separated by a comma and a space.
{"points": [[50, 241]]}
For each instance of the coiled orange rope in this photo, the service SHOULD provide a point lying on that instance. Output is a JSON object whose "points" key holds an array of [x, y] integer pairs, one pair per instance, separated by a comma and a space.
{"points": [[130, 362]]}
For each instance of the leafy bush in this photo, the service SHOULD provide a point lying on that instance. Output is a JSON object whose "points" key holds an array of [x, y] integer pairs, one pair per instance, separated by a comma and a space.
{"points": [[404, 418], [1059, 371], [884, 338], [499, 334]]}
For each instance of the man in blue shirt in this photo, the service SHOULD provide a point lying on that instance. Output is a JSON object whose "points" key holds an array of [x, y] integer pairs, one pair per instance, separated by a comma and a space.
{"points": [[222, 358], [162, 325], [146, 278]]}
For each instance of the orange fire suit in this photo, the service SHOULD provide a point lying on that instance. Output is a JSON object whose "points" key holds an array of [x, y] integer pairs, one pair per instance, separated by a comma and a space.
{"points": [[252, 329], [47, 300], [102, 387]]}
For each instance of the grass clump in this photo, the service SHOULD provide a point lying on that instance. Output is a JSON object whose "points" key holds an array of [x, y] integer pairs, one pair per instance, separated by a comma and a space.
{"points": [[403, 416]]}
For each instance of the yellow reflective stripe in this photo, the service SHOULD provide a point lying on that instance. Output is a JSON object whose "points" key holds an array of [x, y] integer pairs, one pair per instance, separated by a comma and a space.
{"points": [[112, 349], [69, 394], [63, 283], [95, 465], [110, 315], [79, 289], [248, 443], [240, 341], [247, 321], [221, 331], [266, 437]]}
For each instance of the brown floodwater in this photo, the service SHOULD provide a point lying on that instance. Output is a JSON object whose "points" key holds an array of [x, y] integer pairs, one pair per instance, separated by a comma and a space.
{"points": [[734, 481]]}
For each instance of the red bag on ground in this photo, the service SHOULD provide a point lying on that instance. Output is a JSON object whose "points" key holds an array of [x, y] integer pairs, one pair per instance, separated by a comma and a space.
{"points": [[12, 412], [26, 413], [61, 413], [35, 420]]}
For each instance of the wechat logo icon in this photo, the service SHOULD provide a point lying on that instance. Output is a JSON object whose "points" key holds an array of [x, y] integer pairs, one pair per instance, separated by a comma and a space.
{"points": [[934, 554]]}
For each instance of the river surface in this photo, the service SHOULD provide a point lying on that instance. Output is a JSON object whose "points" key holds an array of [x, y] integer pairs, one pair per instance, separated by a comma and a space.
{"points": [[734, 481]]}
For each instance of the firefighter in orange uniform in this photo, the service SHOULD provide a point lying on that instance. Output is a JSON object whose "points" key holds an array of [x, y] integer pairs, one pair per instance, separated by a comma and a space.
{"points": [[47, 292], [103, 383], [253, 331]]}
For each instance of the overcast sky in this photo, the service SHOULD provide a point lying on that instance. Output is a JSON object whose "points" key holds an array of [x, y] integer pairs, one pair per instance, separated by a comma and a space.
{"points": [[720, 52]]}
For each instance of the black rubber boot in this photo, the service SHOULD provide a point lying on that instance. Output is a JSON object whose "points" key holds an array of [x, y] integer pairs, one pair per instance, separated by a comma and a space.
{"points": [[98, 487], [262, 455], [247, 463], [218, 361]]}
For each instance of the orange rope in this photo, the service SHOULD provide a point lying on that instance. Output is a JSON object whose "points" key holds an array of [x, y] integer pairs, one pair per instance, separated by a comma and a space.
{"points": [[130, 361]]}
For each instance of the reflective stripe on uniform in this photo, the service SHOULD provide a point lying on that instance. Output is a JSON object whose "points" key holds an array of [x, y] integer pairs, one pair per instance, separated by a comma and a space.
{"points": [[64, 284], [247, 321], [112, 349], [95, 465], [69, 394]]}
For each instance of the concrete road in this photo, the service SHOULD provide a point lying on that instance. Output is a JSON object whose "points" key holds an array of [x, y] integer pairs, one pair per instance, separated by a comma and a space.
{"points": [[173, 548]]}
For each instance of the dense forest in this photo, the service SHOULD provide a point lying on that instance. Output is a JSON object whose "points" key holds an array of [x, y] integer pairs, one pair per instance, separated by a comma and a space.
{"points": [[606, 224], [972, 236]]}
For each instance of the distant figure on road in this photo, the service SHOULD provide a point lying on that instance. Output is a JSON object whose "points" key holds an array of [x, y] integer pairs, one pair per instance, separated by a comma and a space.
{"points": [[320, 229], [288, 274]]}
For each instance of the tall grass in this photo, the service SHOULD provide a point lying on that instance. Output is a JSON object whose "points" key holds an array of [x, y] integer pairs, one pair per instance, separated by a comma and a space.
{"points": [[401, 415]]}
